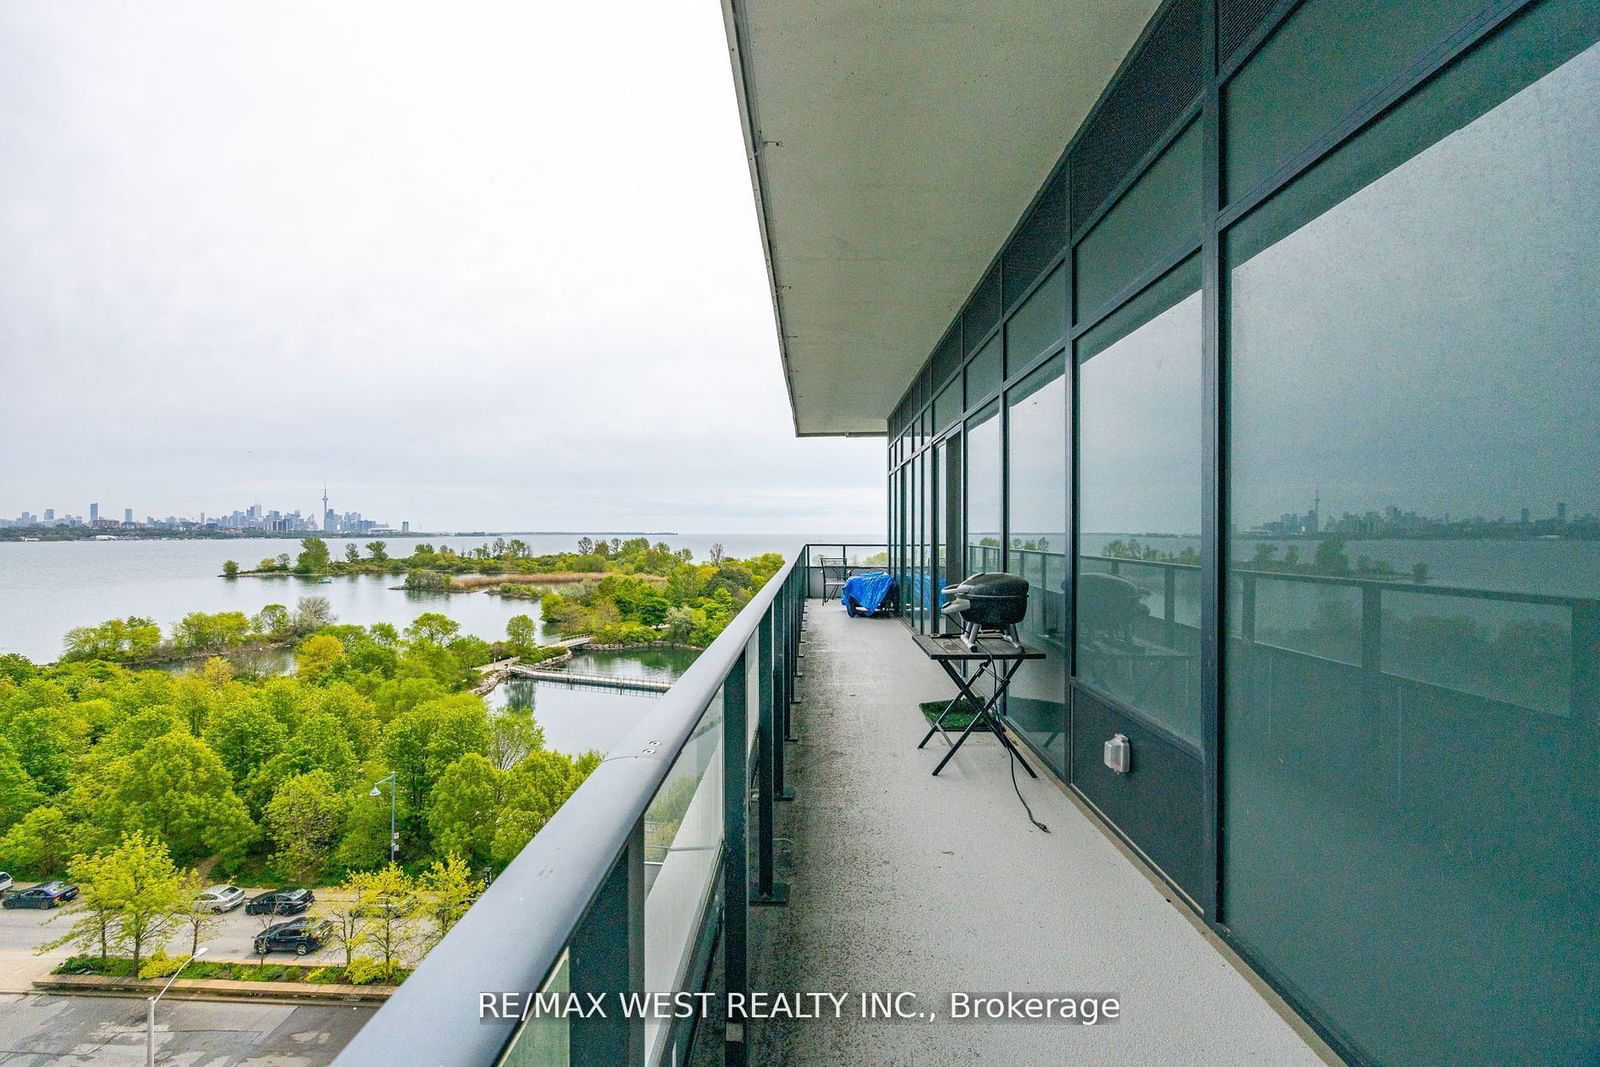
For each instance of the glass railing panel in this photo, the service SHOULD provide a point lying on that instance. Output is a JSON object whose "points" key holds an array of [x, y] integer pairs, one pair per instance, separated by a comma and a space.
{"points": [[544, 1041], [682, 842]]}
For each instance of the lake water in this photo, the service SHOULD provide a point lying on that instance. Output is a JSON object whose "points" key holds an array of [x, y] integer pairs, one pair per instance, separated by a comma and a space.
{"points": [[578, 717], [48, 587]]}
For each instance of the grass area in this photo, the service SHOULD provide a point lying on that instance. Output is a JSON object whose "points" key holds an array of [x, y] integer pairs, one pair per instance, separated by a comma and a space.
{"points": [[364, 972], [960, 715]]}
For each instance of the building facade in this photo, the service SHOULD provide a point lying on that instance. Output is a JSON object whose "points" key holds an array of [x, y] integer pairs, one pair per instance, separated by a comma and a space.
{"points": [[1282, 394]]}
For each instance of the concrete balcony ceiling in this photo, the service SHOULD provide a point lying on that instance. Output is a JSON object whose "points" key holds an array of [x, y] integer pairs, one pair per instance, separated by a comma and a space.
{"points": [[893, 146]]}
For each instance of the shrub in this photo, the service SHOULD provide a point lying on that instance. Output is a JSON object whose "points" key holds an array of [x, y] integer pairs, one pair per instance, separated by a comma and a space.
{"points": [[324, 975], [363, 971], [625, 633], [161, 965]]}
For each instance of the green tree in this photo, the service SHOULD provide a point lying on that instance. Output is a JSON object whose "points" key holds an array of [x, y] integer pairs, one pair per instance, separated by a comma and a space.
{"points": [[272, 621], [512, 736], [130, 896], [314, 557], [352, 554], [447, 891], [18, 793], [461, 726], [230, 569], [521, 633], [42, 842], [389, 904], [193, 917], [305, 820], [47, 742], [378, 551], [316, 656], [244, 738], [463, 806], [432, 629], [347, 915], [176, 789]]}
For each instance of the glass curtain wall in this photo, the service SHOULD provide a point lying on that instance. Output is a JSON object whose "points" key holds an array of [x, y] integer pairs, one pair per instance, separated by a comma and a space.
{"points": [[1138, 594], [1396, 749], [984, 519], [1037, 525], [1411, 762]]}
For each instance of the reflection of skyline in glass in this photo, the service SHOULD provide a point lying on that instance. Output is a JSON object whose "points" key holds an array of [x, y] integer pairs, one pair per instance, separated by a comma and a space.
{"points": [[1463, 396]]}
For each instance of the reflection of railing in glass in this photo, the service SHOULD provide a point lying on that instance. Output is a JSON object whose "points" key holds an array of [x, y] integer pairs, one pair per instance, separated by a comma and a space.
{"points": [[1513, 648]]}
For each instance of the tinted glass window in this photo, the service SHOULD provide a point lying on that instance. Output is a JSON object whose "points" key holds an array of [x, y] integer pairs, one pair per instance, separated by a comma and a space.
{"points": [[983, 492], [983, 372], [1324, 61], [1414, 570], [1036, 516], [1039, 324], [1154, 219], [1139, 505]]}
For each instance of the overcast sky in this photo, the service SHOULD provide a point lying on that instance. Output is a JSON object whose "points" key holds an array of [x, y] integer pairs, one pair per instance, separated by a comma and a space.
{"points": [[476, 265]]}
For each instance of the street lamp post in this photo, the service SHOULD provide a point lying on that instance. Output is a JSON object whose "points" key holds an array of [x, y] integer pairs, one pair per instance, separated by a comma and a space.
{"points": [[150, 1010], [394, 838]]}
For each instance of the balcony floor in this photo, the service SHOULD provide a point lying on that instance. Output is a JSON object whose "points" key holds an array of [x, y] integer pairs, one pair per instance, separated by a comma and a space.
{"points": [[902, 881]]}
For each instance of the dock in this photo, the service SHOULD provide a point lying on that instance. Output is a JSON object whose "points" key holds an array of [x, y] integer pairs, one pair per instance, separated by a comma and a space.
{"points": [[550, 671], [608, 681]]}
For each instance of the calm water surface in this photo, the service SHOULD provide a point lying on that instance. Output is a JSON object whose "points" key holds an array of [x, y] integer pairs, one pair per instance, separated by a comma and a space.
{"points": [[46, 588], [577, 717]]}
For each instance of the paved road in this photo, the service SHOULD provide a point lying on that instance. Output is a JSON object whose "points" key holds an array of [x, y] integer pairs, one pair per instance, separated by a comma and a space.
{"points": [[38, 1029]]}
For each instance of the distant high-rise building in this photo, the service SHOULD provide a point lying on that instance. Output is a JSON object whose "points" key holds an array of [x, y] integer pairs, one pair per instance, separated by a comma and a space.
{"points": [[49, 514], [1561, 512], [94, 514], [405, 527], [1524, 516], [127, 516], [327, 512]]}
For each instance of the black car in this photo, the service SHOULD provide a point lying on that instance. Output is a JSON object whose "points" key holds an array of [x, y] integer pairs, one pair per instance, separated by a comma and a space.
{"points": [[48, 895], [280, 902], [299, 936]]}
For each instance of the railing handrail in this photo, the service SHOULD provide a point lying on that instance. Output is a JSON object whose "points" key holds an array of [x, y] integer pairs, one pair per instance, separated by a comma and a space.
{"points": [[513, 937]]}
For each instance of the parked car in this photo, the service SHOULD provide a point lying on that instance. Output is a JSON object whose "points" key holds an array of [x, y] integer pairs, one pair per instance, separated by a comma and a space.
{"points": [[299, 936], [220, 898], [48, 895], [288, 901], [5, 881]]}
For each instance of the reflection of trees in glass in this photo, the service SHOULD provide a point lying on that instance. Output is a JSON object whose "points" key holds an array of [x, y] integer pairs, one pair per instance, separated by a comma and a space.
{"points": [[1330, 558], [1523, 661], [1520, 661], [1133, 549], [666, 814]]}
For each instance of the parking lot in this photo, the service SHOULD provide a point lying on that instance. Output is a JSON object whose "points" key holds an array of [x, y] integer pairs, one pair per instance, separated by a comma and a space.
{"points": [[23, 930]]}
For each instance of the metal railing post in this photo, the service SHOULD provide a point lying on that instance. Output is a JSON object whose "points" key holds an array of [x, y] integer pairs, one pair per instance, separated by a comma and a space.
{"points": [[776, 698], [796, 611], [735, 868], [768, 757], [606, 958]]}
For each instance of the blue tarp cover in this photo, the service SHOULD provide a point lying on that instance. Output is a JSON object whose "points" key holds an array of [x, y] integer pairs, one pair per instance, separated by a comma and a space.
{"points": [[864, 593]]}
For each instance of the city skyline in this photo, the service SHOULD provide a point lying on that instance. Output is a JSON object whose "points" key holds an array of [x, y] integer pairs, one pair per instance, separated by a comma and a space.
{"points": [[252, 517]]}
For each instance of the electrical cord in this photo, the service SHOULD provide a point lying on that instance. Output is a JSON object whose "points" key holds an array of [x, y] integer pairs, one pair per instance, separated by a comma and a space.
{"points": [[1012, 753]]}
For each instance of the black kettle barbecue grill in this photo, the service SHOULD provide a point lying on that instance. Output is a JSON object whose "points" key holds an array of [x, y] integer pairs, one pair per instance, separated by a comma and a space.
{"points": [[987, 605]]}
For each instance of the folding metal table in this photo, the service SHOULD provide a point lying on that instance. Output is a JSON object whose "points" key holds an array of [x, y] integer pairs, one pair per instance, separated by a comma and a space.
{"points": [[996, 658]]}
